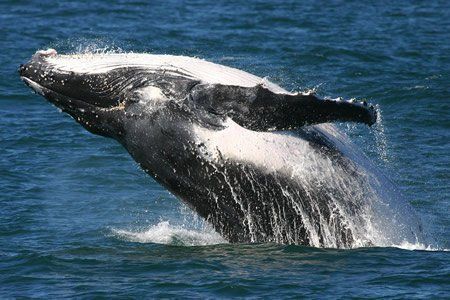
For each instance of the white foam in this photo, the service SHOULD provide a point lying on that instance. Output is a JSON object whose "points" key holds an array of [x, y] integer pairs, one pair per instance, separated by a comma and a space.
{"points": [[405, 245], [165, 233]]}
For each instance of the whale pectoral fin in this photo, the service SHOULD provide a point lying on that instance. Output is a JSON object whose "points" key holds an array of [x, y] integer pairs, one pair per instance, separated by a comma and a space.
{"points": [[290, 111], [258, 108]]}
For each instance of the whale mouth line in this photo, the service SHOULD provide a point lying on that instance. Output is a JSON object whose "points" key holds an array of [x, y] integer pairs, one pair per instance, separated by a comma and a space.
{"points": [[45, 91], [65, 103], [33, 85]]}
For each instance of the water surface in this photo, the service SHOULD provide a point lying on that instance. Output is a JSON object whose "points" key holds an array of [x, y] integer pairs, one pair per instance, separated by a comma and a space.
{"points": [[79, 218]]}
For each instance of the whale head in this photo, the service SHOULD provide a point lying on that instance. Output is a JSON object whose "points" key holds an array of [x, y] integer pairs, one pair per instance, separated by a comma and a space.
{"points": [[99, 91]]}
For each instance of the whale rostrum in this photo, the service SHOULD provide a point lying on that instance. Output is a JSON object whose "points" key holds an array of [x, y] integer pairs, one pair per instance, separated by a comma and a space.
{"points": [[259, 163]]}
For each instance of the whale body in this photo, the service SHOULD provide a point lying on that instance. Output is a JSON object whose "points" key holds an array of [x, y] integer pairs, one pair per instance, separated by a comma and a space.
{"points": [[259, 163]]}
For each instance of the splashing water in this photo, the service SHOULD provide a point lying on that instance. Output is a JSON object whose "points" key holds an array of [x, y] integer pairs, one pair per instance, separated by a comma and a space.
{"points": [[381, 222], [419, 246], [165, 233], [380, 137], [177, 235], [188, 230], [80, 46]]}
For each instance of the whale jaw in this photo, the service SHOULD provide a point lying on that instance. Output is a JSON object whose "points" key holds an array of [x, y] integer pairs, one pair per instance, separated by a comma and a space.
{"points": [[106, 122], [99, 113]]}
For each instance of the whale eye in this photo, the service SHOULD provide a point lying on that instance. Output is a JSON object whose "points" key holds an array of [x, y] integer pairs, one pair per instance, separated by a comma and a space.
{"points": [[132, 97]]}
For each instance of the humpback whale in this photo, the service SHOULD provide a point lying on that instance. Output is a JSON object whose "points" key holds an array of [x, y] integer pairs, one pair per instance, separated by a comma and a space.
{"points": [[257, 162]]}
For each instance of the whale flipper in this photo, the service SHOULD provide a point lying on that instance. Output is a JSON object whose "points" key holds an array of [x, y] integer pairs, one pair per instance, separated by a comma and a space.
{"points": [[260, 109]]}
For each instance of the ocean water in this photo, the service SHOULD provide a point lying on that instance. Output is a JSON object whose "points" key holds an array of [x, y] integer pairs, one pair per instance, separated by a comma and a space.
{"points": [[78, 218]]}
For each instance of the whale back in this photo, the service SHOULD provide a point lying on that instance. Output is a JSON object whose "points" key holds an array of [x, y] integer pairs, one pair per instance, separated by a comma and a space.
{"points": [[184, 66]]}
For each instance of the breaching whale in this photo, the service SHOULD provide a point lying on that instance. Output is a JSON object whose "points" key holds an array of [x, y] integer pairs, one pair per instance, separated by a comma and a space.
{"points": [[259, 163]]}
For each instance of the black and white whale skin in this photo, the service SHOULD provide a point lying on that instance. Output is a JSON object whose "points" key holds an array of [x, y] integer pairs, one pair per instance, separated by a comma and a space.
{"points": [[257, 162]]}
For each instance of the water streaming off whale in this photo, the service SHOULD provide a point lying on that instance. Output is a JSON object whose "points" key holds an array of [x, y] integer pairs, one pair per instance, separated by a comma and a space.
{"points": [[332, 204]]}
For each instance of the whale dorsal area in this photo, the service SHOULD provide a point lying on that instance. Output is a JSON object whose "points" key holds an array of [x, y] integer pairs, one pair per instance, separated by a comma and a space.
{"points": [[188, 67]]}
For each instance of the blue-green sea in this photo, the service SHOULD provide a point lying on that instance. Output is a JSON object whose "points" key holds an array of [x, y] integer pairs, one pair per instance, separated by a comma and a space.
{"points": [[79, 218]]}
